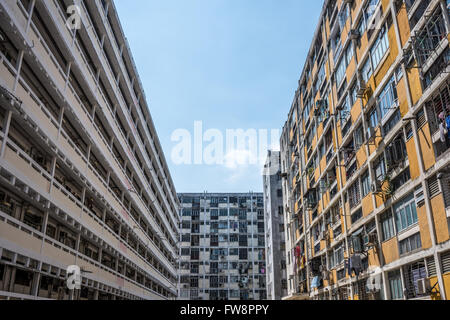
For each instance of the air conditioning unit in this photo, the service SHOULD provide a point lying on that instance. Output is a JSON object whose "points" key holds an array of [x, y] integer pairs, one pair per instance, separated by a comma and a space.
{"points": [[354, 34], [376, 187], [322, 235], [370, 133], [423, 286], [373, 239], [361, 89]]}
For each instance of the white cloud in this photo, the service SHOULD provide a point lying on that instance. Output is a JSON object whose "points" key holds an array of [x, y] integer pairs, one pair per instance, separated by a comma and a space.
{"points": [[241, 164], [237, 159]]}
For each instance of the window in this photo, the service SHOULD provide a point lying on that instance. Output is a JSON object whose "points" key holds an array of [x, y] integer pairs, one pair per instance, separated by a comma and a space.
{"points": [[390, 124], [356, 216], [366, 71], [396, 152], [380, 47], [243, 254], [410, 244], [342, 66], [354, 195], [373, 118], [387, 226], [359, 137], [395, 285], [405, 213], [365, 182], [339, 254], [321, 75], [369, 10], [388, 97], [380, 169]]}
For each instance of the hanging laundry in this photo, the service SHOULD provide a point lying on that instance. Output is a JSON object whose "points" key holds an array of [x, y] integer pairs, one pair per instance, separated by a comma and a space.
{"points": [[442, 132], [447, 122], [348, 267], [356, 264], [315, 282]]}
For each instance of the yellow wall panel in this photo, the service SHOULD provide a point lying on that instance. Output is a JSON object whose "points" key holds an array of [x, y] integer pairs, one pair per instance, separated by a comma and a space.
{"points": [[356, 111], [361, 156], [402, 98], [412, 157], [362, 46], [414, 84], [373, 257], [367, 205], [351, 69], [385, 5], [446, 285], [435, 295], [424, 227], [440, 218], [427, 147], [403, 25], [390, 250]]}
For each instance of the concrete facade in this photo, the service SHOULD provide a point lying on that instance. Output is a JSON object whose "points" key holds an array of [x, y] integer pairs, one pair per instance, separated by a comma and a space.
{"points": [[274, 225], [365, 155], [83, 179], [222, 246]]}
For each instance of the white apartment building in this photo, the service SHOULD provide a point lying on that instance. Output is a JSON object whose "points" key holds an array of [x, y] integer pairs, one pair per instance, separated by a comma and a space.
{"points": [[83, 178], [222, 247], [276, 281]]}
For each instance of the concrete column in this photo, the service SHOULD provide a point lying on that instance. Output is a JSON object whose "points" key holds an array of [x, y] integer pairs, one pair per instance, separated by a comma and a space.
{"points": [[108, 177], [19, 69], [88, 154], [11, 278], [53, 171], [35, 284], [444, 5], [30, 14], [60, 119], [102, 41], [69, 66], [6, 126]]}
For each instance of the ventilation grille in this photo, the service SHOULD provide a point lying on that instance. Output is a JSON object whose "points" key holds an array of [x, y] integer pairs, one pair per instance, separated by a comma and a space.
{"points": [[421, 120], [431, 266], [445, 260], [433, 186]]}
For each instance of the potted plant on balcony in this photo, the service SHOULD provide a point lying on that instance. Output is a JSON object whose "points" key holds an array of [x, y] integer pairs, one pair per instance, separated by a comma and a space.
{"points": [[388, 190]]}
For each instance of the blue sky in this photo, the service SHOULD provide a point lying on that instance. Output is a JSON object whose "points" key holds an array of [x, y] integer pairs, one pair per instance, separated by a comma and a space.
{"points": [[232, 64]]}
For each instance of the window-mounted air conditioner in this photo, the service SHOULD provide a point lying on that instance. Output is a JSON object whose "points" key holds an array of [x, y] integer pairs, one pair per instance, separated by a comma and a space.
{"points": [[354, 34], [373, 239], [361, 87], [370, 133], [376, 187], [423, 286], [322, 235]]}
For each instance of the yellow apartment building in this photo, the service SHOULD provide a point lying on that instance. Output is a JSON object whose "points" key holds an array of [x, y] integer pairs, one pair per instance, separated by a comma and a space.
{"points": [[366, 155]]}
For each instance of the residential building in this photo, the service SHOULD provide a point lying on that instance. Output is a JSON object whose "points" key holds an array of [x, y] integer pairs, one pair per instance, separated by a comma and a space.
{"points": [[276, 282], [83, 179], [365, 155], [222, 246]]}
